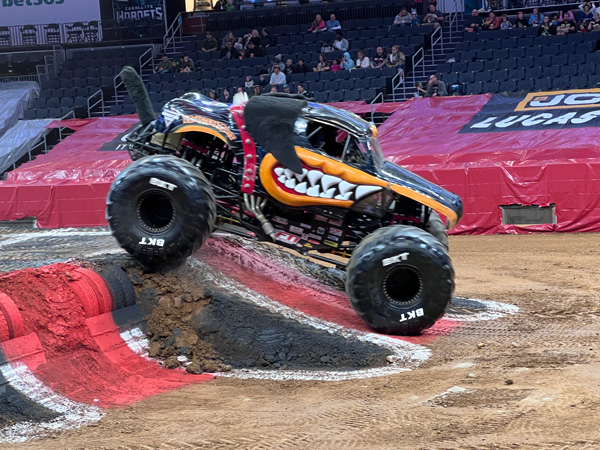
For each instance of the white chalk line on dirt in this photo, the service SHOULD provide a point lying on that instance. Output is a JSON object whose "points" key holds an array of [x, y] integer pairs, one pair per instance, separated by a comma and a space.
{"points": [[66, 232], [72, 414], [493, 310], [405, 356]]}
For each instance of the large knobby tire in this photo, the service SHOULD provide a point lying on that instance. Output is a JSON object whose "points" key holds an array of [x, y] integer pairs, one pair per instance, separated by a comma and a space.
{"points": [[437, 229], [400, 280], [161, 209]]}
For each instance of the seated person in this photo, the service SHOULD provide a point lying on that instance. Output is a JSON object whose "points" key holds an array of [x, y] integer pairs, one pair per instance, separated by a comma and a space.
{"points": [[505, 24], [402, 19], [252, 51], [436, 88], [566, 26], [378, 61], [210, 44], [318, 24], [340, 42], [545, 27], [475, 22], [536, 18], [165, 65], [433, 15], [363, 61], [300, 67], [521, 22], [396, 59], [586, 13], [322, 65], [491, 22], [333, 24], [346, 63], [335, 66], [594, 24], [277, 77], [186, 65], [326, 48], [229, 52], [414, 19]]}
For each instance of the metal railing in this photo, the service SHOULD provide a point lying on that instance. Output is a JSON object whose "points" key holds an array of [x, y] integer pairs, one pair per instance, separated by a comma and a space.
{"points": [[436, 37], [118, 82], [375, 101], [42, 73], [91, 104], [19, 78], [174, 30], [396, 85], [61, 132], [149, 55], [416, 63]]}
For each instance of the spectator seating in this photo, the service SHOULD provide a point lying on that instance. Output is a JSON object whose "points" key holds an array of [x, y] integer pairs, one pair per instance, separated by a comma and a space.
{"points": [[520, 60], [87, 72]]}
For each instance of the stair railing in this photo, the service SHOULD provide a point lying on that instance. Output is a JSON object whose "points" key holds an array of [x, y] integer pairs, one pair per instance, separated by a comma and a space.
{"points": [[375, 101], [436, 37], [175, 30], [99, 96], [117, 83], [146, 58], [420, 54], [399, 79]]}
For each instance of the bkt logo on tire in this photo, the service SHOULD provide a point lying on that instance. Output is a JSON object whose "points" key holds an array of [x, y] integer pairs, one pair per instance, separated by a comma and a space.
{"points": [[162, 184], [411, 315], [152, 241]]}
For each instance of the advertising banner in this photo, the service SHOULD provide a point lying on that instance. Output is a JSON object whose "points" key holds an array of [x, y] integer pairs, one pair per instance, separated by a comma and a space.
{"points": [[139, 10], [37, 12], [538, 111], [496, 151]]}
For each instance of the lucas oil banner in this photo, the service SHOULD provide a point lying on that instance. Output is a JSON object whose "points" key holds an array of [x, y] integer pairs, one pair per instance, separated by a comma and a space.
{"points": [[139, 10], [538, 111]]}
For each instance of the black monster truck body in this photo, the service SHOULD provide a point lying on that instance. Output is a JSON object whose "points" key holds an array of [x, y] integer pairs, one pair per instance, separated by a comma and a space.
{"points": [[302, 175]]}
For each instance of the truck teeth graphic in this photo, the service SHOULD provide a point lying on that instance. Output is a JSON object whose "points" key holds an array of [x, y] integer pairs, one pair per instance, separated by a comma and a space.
{"points": [[315, 183]]}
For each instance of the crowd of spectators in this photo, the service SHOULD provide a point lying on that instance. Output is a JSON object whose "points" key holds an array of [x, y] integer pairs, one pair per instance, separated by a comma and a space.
{"points": [[560, 23], [333, 56]]}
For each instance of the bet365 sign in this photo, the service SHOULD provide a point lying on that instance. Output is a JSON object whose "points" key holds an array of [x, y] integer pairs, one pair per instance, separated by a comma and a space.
{"points": [[9, 3], [40, 12]]}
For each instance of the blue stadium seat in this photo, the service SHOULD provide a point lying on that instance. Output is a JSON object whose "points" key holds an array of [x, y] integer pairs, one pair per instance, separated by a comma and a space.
{"points": [[474, 88], [560, 83], [508, 86], [578, 82], [491, 87], [543, 84]]}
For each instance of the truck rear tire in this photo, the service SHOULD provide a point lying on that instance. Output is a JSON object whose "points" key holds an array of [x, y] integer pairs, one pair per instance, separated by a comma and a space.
{"points": [[400, 280], [161, 209]]}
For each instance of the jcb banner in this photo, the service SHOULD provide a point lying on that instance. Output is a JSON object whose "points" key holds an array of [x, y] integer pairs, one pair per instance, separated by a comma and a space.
{"points": [[538, 111], [153, 10]]}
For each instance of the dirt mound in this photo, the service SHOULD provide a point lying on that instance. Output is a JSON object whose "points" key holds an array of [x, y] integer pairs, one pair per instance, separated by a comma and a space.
{"points": [[216, 329], [170, 302]]}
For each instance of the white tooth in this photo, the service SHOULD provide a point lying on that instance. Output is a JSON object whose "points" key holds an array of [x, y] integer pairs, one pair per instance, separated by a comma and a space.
{"points": [[300, 176], [301, 188], [329, 193], [346, 196], [278, 171], [313, 191], [289, 173], [361, 191], [290, 184], [344, 187], [327, 181], [314, 176], [282, 179]]}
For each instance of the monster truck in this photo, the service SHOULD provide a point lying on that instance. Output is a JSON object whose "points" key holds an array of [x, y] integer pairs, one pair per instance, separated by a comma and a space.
{"points": [[298, 174]]}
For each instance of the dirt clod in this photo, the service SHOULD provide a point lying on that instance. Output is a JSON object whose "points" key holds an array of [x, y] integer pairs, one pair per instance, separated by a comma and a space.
{"points": [[172, 362]]}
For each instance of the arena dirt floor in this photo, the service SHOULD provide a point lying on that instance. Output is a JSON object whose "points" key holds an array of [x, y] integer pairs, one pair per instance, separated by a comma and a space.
{"points": [[526, 381]]}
